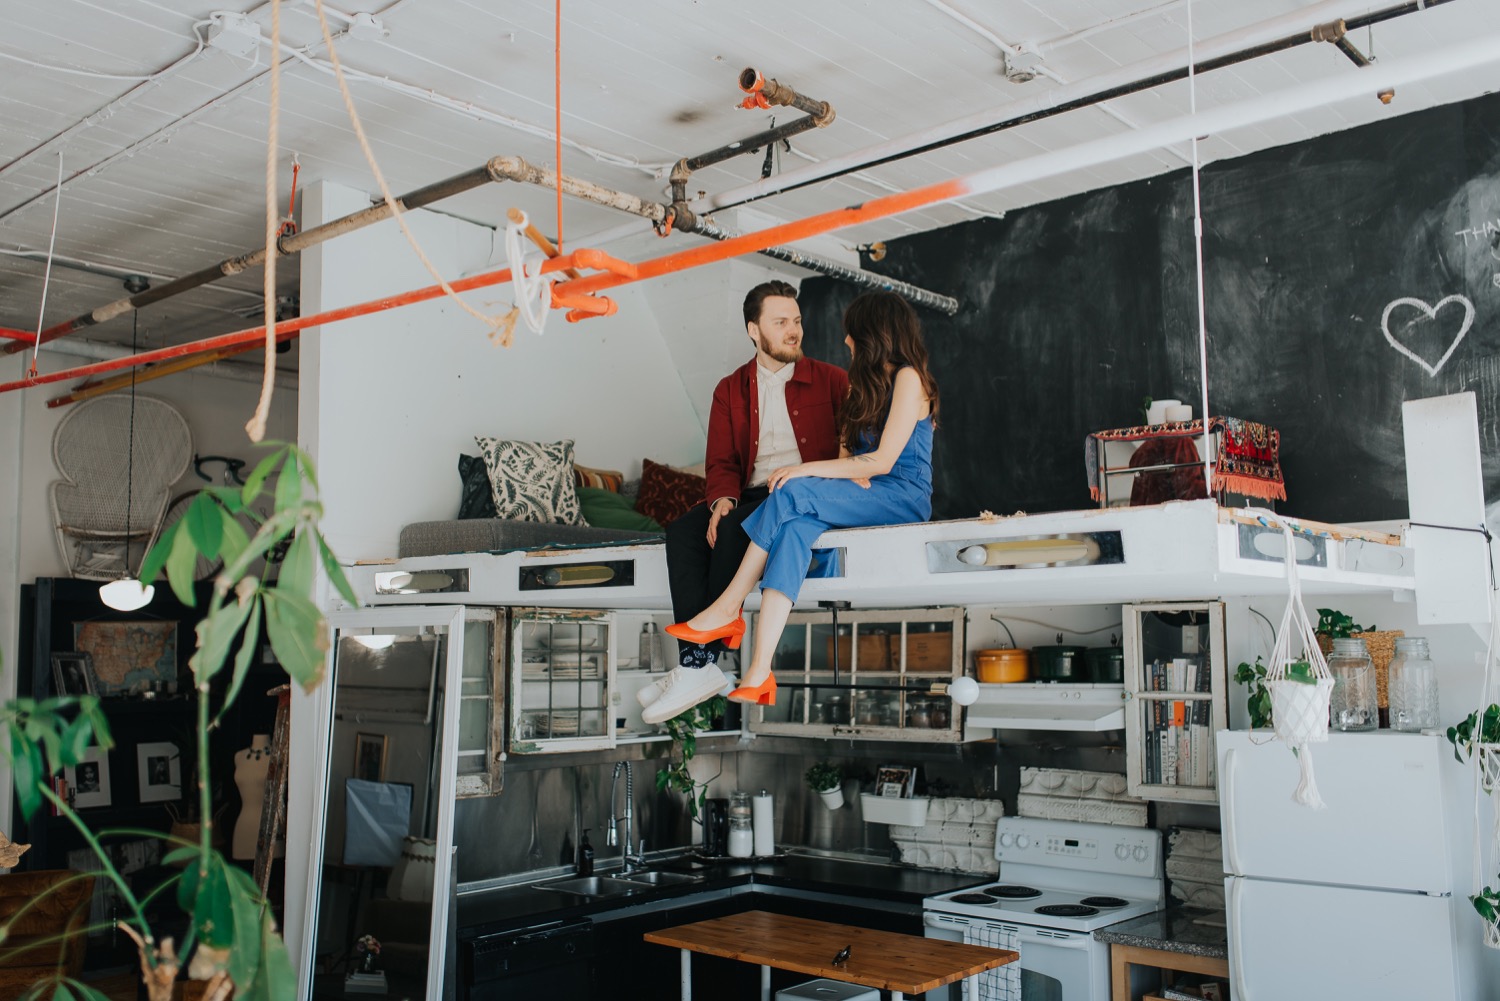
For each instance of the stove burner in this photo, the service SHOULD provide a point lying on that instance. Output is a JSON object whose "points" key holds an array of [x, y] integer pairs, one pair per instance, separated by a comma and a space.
{"points": [[1104, 901], [1012, 892], [1066, 910], [973, 898]]}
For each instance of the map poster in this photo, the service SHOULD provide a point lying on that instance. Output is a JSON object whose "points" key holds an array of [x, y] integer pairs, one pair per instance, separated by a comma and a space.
{"points": [[129, 657]]}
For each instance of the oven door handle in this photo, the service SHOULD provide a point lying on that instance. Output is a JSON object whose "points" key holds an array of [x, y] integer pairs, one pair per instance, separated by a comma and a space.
{"points": [[1072, 940]]}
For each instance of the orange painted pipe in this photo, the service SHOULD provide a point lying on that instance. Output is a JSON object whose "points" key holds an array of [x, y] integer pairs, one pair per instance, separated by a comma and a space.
{"points": [[25, 337], [877, 208], [90, 390]]}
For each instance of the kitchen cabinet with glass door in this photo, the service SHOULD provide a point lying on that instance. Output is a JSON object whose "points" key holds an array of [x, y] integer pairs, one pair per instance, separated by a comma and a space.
{"points": [[562, 680], [890, 657], [1175, 699]]}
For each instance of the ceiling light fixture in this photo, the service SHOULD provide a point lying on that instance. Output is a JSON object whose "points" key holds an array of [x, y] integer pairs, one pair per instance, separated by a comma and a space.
{"points": [[128, 593]]}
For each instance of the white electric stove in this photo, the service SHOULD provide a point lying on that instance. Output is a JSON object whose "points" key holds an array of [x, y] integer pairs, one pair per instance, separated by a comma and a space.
{"points": [[1058, 882]]}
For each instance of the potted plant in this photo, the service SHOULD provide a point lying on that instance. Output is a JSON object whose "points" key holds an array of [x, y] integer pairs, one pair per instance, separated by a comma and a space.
{"points": [[1479, 730], [684, 729], [1259, 702], [827, 780], [231, 940], [1487, 903]]}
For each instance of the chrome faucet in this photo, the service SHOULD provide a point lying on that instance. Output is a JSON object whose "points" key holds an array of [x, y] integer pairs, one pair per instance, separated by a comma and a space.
{"points": [[628, 860]]}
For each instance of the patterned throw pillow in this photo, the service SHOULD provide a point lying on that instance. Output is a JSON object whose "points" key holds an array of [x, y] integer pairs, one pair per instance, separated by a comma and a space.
{"points": [[532, 481], [666, 493], [600, 479]]}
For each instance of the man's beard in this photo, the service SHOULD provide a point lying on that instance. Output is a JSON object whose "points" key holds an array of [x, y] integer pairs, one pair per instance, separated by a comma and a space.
{"points": [[784, 355]]}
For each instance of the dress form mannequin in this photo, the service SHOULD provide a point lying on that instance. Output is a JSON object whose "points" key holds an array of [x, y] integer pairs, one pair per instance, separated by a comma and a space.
{"points": [[250, 767]]}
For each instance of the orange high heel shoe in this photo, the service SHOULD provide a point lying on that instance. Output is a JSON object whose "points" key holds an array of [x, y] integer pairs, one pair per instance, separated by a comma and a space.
{"points": [[733, 634], [763, 694]]}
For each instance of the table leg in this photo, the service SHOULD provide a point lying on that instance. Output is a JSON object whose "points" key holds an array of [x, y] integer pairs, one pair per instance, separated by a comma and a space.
{"points": [[765, 983], [687, 975]]}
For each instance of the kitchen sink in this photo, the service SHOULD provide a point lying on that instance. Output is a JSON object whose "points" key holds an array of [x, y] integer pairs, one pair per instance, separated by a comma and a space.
{"points": [[593, 886], [658, 878]]}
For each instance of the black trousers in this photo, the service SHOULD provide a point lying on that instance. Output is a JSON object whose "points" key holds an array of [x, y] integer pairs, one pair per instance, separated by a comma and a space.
{"points": [[698, 573]]}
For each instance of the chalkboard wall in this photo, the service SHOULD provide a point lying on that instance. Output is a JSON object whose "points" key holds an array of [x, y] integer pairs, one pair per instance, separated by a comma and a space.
{"points": [[1343, 275]]}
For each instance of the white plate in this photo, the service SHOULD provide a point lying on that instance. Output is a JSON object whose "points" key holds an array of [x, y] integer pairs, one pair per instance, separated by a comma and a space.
{"points": [[575, 661], [568, 640]]}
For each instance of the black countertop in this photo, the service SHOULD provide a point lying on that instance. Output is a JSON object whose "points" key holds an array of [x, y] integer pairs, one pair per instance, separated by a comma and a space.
{"points": [[511, 907], [1190, 930]]}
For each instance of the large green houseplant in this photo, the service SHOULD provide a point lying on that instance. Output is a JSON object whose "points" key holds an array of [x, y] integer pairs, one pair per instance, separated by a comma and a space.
{"points": [[231, 936]]}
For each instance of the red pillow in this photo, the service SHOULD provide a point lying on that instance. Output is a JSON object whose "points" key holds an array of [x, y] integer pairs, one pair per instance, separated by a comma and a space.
{"points": [[667, 494]]}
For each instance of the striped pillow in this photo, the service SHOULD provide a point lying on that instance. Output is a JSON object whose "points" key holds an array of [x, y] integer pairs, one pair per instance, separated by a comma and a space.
{"points": [[599, 479]]}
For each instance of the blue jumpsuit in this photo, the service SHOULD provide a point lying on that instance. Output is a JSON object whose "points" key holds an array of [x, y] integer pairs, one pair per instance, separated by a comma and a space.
{"points": [[800, 510]]}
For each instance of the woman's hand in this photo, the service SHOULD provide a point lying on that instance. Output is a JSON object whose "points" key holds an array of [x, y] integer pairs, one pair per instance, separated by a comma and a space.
{"points": [[780, 476]]}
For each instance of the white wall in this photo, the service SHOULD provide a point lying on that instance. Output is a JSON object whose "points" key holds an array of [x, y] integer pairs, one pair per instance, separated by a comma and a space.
{"points": [[391, 400]]}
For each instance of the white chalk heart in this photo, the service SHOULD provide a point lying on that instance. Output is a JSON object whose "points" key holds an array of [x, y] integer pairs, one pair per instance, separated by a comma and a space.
{"points": [[1432, 312]]}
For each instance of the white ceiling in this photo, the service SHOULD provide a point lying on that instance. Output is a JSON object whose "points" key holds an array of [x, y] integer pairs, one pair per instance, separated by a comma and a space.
{"points": [[164, 176]]}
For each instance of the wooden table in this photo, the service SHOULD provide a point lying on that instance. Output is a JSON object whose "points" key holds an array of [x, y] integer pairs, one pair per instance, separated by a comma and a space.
{"points": [[901, 964], [1123, 957]]}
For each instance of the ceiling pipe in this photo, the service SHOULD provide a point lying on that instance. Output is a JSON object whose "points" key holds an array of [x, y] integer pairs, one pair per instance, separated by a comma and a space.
{"points": [[114, 271], [763, 94], [219, 369], [1481, 51], [286, 246], [1261, 39], [864, 279]]}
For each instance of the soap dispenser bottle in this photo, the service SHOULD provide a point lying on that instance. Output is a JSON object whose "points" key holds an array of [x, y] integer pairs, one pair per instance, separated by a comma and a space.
{"points": [[585, 856]]}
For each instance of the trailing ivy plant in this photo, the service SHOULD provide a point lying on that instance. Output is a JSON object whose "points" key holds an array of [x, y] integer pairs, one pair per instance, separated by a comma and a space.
{"points": [[1253, 676], [231, 935], [1479, 727], [1487, 903], [684, 729]]}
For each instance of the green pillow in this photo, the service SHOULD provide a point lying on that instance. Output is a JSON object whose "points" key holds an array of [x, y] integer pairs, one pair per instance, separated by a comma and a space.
{"points": [[607, 509]]}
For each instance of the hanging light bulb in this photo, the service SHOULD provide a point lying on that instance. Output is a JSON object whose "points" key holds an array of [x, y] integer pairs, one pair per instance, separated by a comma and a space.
{"points": [[128, 593]]}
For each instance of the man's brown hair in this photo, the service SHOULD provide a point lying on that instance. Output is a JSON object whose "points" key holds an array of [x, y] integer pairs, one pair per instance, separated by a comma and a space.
{"points": [[757, 296]]}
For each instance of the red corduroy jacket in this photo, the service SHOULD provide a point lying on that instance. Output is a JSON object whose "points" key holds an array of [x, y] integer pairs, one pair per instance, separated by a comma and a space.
{"points": [[813, 395]]}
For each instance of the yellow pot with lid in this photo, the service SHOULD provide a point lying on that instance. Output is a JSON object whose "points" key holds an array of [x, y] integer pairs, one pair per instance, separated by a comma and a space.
{"points": [[1002, 666]]}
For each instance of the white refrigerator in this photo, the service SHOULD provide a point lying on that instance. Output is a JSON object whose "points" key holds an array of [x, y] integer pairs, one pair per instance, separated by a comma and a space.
{"points": [[1366, 898]]}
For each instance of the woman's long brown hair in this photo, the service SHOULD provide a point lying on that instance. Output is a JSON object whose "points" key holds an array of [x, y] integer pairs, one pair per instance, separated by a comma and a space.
{"points": [[887, 338]]}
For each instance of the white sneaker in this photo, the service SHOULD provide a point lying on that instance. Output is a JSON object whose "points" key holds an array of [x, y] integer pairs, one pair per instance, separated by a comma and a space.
{"points": [[649, 694], [685, 688]]}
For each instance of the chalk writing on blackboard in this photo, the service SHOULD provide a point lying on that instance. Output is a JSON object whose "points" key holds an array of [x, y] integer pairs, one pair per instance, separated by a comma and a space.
{"points": [[1424, 313]]}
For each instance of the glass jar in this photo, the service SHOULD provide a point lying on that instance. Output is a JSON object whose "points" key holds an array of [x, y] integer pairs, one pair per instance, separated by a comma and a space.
{"points": [[1413, 686], [1352, 705], [741, 825]]}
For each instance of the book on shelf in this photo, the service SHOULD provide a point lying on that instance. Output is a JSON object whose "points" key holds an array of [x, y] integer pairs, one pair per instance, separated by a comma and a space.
{"points": [[359, 982]]}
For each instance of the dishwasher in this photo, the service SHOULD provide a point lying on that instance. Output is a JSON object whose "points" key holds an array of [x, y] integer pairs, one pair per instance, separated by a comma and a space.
{"points": [[553, 961]]}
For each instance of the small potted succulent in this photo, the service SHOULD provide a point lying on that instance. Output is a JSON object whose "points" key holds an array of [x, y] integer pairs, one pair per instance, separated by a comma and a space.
{"points": [[827, 780]]}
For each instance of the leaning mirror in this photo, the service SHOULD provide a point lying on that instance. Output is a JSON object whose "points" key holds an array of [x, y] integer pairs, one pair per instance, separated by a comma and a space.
{"points": [[379, 882]]}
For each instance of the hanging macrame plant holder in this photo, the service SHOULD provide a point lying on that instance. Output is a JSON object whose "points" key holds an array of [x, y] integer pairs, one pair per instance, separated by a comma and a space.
{"points": [[1299, 696]]}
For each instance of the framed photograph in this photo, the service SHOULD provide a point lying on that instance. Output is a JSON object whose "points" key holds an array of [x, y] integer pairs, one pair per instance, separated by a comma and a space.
{"points": [[895, 780], [88, 781], [129, 658], [160, 767], [73, 673], [370, 750]]}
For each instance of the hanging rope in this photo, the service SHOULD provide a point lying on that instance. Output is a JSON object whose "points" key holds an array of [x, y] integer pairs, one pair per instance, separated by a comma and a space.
{"points": [[256, 426], [289, 224], [495, 324], [533, 292], [1208, 449], [47, 276], [135, 326], [557, 114]]}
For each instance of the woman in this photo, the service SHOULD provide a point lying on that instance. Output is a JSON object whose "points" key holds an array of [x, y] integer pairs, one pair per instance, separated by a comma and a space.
{"points": [[883, 476]]}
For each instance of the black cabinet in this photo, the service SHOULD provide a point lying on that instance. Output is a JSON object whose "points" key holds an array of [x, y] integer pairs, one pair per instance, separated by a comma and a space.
{"points": [[145, 783]]}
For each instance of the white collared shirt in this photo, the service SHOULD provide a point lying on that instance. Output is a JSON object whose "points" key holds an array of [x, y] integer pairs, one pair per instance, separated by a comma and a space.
{"points": [[777, 445]]}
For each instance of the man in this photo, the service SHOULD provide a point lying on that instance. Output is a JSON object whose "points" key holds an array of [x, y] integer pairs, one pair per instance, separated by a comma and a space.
{"points": [[778, 409]]}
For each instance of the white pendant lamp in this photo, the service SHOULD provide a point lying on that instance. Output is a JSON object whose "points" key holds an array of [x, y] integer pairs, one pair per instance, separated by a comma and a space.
{"points": [[127, 594]]}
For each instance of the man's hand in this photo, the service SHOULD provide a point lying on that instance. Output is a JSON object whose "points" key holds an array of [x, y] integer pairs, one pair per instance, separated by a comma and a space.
{"points": [[720, 508]]}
